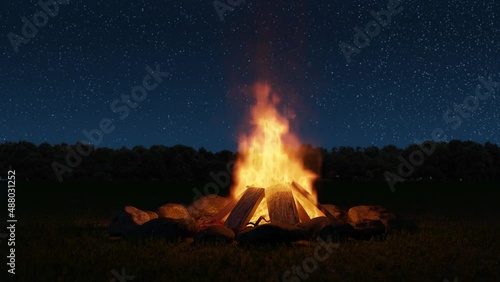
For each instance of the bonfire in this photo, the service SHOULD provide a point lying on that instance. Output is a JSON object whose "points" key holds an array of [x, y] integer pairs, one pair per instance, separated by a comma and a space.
{"points": [[272, 190], [271, 183]]}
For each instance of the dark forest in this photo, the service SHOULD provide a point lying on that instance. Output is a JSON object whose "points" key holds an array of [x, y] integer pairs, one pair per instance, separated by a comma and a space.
{"points": [[454, 160]]}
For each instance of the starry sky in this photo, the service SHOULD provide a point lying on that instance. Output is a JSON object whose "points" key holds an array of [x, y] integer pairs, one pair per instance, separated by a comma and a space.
{"points": [[393, 91]]}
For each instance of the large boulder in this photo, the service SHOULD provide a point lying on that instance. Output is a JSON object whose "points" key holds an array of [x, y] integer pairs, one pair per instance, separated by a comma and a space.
{"points": [[339, 231], [165, 228], [313, 225], [359, 214], [205, 208], [215, 234], [326, 228], [272, 233], [127, 220], [152, 214], [174, 211]]}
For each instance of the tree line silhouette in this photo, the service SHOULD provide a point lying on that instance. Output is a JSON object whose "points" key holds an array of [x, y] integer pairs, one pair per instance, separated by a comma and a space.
{"points": [[454, 160]]}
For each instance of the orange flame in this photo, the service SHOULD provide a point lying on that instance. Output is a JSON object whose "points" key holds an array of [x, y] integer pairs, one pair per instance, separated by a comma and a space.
{"points": [[267, 154]]}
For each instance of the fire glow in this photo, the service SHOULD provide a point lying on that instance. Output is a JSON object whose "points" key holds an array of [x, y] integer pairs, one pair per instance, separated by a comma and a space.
{"points": [[270, 155]]}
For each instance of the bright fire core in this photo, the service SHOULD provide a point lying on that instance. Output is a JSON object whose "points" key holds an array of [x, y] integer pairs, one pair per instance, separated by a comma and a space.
{"points": [[269, 155]]}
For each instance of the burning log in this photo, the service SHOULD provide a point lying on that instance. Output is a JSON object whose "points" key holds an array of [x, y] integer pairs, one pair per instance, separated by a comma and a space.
{"points": [[244, 209], [281, 204], [224, 211], [307, 201], [303, 216], [304, 192]]}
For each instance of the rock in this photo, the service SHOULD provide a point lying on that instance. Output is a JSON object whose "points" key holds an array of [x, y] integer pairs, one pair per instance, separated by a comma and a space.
{"points": [[391, 221], [174, 211], [313, 226], [205, 208], [336, 211], [359, 214], [127, 220], [270, 234], [215, 234], [152, 214], [369, 228], [169, 229], [339, 231], [325, 228]]}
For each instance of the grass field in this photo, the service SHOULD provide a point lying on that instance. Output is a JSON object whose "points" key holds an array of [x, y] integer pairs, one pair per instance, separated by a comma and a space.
{"points": [[61, 236]]}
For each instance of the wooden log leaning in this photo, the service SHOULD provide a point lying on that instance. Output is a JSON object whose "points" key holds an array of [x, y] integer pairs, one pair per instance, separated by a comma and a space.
{"points": [[307, 201], [304, 192], [281, 204], [224, 212], [303, 216], [245, 208]]}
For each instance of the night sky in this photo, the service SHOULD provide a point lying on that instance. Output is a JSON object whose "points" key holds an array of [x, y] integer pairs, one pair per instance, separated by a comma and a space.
{"points": [[394, 91]]}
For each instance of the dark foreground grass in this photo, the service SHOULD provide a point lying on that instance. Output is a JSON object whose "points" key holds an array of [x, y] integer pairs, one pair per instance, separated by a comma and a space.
{"points": [[61, 237]]}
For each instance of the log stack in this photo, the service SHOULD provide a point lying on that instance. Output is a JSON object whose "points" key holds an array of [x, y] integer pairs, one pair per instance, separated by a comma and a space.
{"points": [[287, 203]]}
